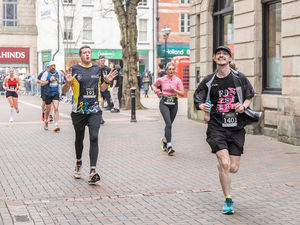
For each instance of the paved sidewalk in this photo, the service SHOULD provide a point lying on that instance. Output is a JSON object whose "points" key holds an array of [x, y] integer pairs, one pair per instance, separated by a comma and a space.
{"points": [[139, 184]]}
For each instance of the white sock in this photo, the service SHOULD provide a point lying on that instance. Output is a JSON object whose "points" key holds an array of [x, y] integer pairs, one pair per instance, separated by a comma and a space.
{"points": [[56, 124], [11, 113], [169, 144], [164, 139]]}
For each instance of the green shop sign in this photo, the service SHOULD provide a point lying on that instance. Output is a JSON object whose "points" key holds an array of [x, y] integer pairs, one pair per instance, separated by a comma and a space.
{"points": [[46, 56], [173, 51], [109, 54]]}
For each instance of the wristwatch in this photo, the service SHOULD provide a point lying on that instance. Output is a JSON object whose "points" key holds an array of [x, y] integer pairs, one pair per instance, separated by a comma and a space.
{"points": [[106, 82]]}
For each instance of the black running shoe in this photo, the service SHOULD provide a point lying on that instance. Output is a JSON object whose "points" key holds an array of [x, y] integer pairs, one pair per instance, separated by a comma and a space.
{"points": [[93, 178], [171, 151]]}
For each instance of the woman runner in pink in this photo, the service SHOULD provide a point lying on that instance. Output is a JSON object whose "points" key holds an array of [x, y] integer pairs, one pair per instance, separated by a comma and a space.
{"points": [[171, 86]]}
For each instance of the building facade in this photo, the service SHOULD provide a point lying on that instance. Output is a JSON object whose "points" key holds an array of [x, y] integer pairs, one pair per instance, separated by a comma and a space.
{"points": [[174, 14], [264, 36], [90, 22], [18, 37]]}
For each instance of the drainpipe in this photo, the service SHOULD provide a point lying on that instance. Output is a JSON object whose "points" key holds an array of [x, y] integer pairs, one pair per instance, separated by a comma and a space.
{"points": [[57, 31]]}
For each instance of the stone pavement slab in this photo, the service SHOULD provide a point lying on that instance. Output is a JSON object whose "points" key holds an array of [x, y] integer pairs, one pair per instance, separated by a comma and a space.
{"points": [[139, 184]]}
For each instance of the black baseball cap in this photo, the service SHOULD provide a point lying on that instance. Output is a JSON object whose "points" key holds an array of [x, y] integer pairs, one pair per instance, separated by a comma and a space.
{"points": [[225, 48]]}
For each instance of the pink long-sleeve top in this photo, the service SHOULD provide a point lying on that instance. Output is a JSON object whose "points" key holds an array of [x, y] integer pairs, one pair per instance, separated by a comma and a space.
{"points": [[165, 83]]}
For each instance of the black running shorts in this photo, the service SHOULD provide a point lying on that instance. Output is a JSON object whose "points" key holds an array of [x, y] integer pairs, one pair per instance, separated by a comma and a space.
{"points": [[49, 99], [11, 94], [220, 138], [81, 120], [43, 96]]}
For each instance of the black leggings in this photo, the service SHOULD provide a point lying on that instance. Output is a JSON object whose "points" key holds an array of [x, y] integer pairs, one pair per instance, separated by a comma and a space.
{"points": [[94, 148], [169, 113], [93, 123]]}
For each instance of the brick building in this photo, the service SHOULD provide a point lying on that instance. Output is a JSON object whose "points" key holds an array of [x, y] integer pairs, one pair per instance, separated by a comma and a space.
{"points": [[18, 36], [264, 36], [175, 14]]}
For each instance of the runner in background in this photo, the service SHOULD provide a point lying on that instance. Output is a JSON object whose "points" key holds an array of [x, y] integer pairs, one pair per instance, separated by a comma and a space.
{"points": [[171, 86], [12, 86]]}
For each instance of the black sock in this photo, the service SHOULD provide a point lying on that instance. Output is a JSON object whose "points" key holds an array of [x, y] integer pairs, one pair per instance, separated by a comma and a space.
{"points": [[79, 163]]}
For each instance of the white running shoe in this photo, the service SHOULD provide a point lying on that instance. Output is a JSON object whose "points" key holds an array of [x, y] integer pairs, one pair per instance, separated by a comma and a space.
{"points": [[11, 120], [46, 125], [77, 172]]}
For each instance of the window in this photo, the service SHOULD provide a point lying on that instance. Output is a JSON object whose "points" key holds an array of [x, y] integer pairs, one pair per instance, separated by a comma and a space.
{"points": [[68, 1], [223, 24], [184, 22], [143, 3], [87, 28], [143, 30], [10, 13], [185, 1], [68, 31], [272, 46]]}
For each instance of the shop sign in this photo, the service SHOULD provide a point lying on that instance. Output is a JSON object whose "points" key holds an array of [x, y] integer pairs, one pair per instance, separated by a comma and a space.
{"points": [[173, 51], [46, 56], [14, 55], [109, 54]]}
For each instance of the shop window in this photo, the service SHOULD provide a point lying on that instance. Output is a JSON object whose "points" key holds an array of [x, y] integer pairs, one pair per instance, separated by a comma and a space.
{"points": [[143, 30], [10, 13], [272, 77], [185, 22], [68, 31], [87, 29]]}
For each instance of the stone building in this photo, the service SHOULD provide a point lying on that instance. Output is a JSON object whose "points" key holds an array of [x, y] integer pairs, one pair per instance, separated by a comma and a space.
{"points": [[264, 36], [18, 36]]}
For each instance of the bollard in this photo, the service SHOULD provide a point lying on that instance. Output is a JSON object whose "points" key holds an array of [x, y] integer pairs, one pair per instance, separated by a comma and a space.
{"points": [[132, 96]]}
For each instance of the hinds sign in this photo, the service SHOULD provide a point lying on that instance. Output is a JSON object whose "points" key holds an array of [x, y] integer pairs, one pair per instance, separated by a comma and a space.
{"points": [[14, 55]]}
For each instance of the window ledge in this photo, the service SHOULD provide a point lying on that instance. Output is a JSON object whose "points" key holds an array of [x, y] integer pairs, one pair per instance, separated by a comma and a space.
{"points": [[69, 42], [88, 42], [88, 5], [68, 4], [143, 43], [143, 7]]}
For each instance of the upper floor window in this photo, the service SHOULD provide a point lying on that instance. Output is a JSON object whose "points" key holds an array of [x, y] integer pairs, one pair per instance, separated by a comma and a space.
{"points": [[184, 22], [87, 28], [272, 77], [143, 3], [68, 1], [10, 13], [185, 1], [68, 31], [87, 1], [143, 29]]}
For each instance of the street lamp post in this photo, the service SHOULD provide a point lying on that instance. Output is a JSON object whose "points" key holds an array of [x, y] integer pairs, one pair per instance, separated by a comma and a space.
{"points": [[166, 32]]}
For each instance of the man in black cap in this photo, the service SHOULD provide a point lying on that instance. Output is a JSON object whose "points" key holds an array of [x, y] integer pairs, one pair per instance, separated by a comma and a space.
{"points": [[224, 96]]}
